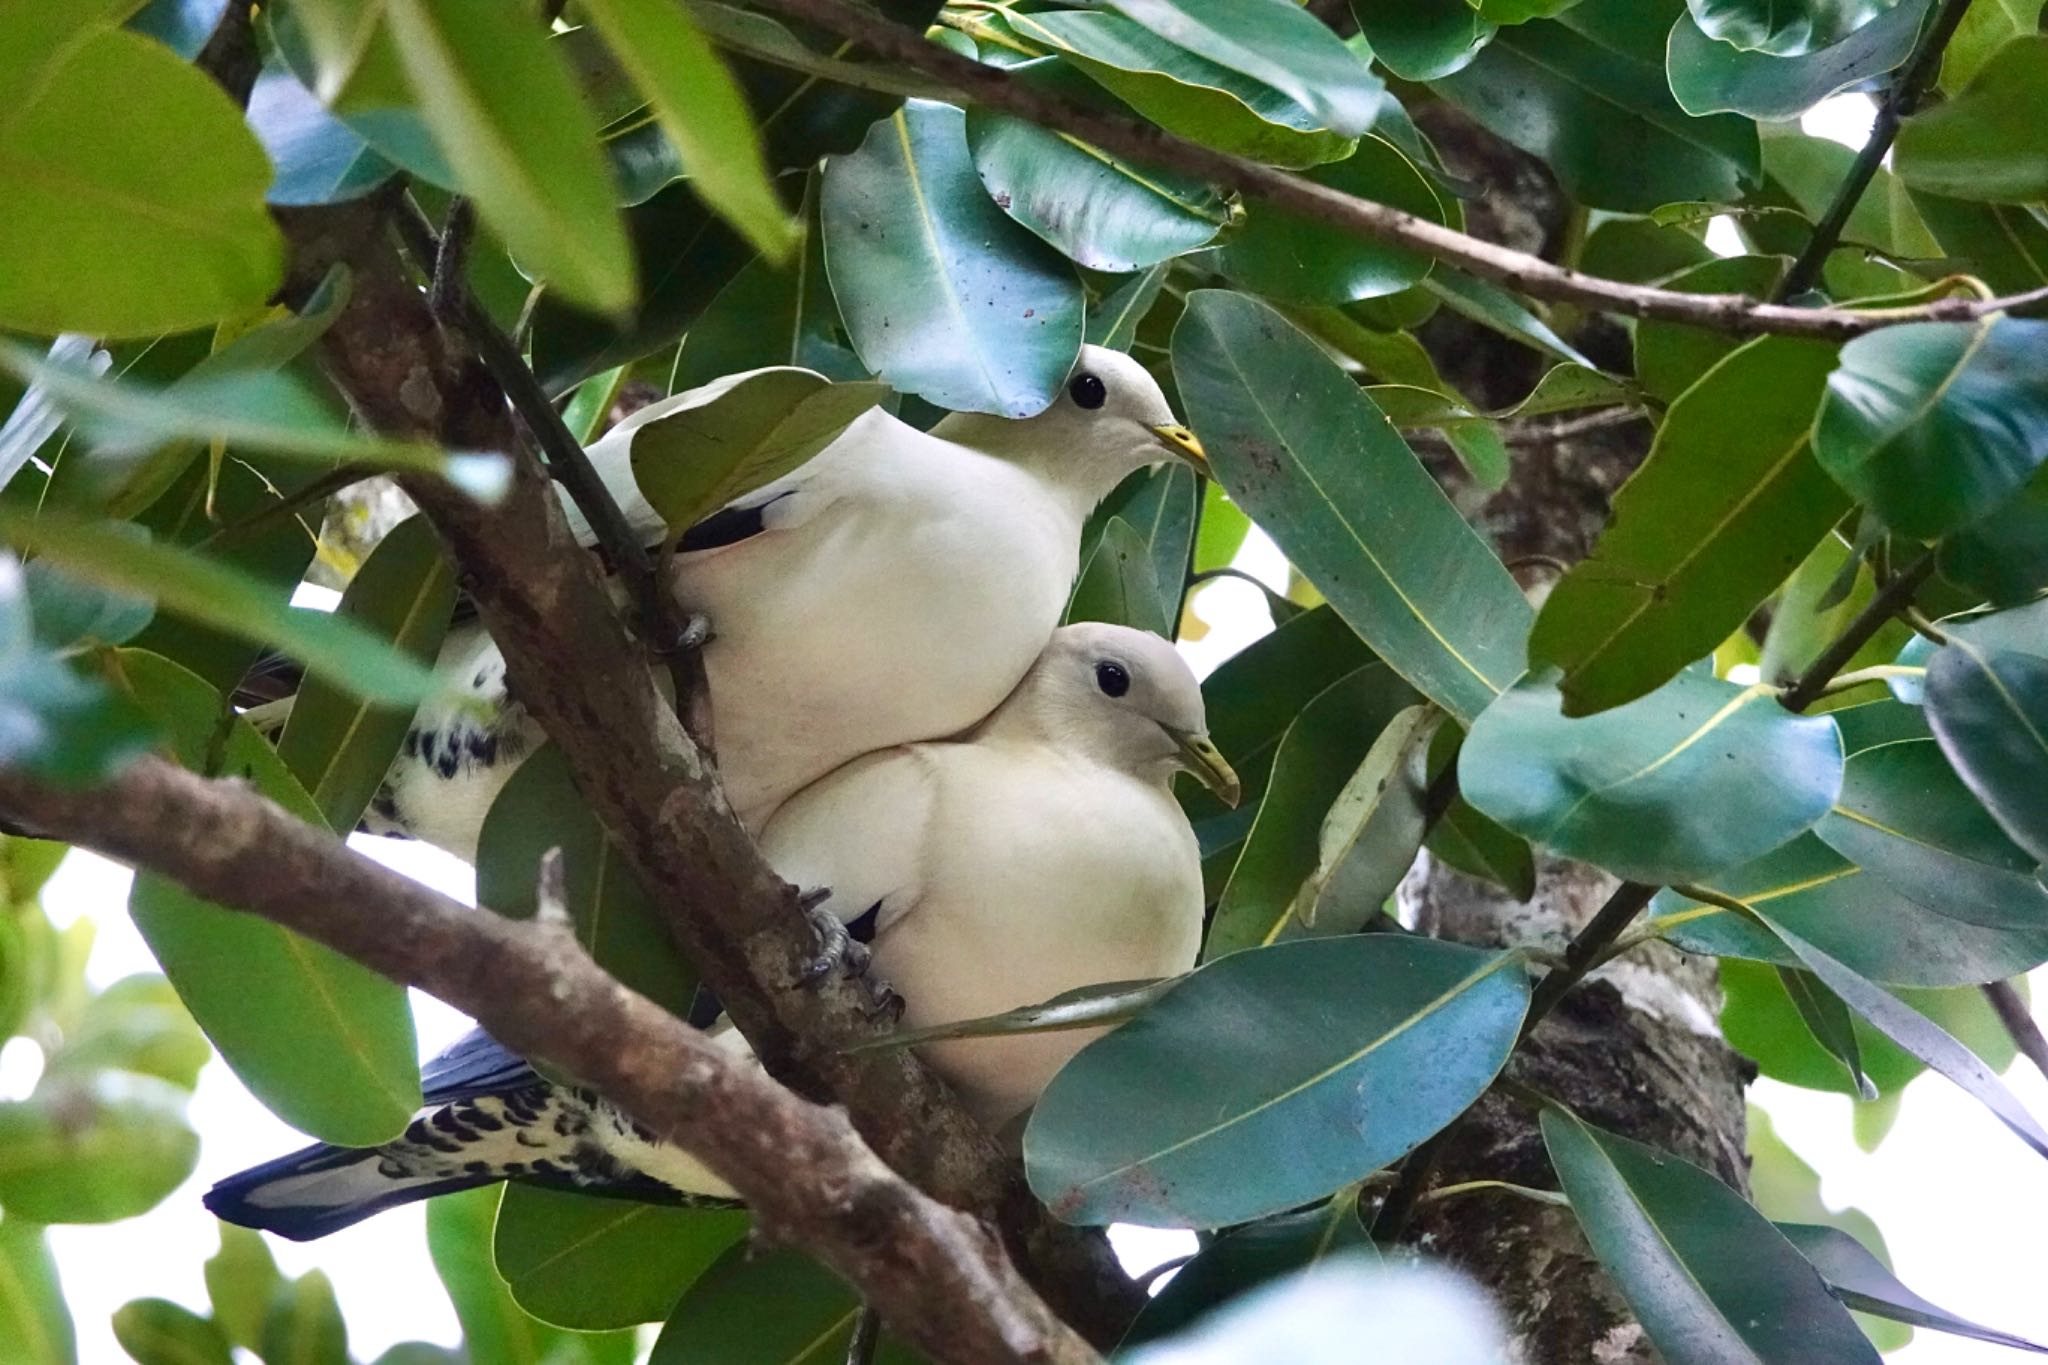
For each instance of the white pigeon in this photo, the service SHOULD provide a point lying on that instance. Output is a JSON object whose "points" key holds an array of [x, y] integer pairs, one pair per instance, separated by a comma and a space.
{"points": [[1042, 853], [892, 589]]}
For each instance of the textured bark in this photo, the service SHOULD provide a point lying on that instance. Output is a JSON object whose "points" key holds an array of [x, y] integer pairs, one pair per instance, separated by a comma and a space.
{"points": [[1635, 1048]]}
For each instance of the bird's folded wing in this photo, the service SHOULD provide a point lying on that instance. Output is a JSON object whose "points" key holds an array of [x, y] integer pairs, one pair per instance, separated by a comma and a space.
{"points": [[860, 832]]}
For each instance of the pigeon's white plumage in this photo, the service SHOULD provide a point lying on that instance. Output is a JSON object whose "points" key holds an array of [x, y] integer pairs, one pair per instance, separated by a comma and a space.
{"points": [[1041, 853], [892, 589]]}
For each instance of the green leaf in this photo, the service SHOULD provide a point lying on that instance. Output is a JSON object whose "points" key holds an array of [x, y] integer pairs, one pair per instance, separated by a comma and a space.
{"points": [[1487, 304], [54, 723], [1710, 1280], [1579, 93], [1638, 251], [304, 1325], [1781, 27], [1113, 322], [1709, 76], [1935, 423], [1323, 471], [538, 809], [1671, 357], [1985, 143], [520, 140], [1244, 1258], [159, 1332], [1704, 530], [94, 1149], [1422, 40], [1119, 582], [324, 1042], [319, 158], [252, 410], [1100, 211], [1183, 92], [1697, 777], [1863, 1283], [1291, 257], [134, 1025], [494, 1328], [33, 1317], [703, 112], [339, 746], [1322, 745], [590, 1264], [113, 226], [1989, 710], [2002, 244], [241, 1280], [775, 1308], [1275, 43], [945, 296], [2003, 556], [1987, 26], [1805, 173], [1344, 1053], [1159, 506], [1853, 917], [1829, 1023], [1468, 841], [730, 437], [1918, 1035], [1372, 831], [1905, 817]]}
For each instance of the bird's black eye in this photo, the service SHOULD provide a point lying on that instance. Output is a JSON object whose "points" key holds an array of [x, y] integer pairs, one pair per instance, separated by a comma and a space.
{"points": [[1112, 679], [1087, 391]]}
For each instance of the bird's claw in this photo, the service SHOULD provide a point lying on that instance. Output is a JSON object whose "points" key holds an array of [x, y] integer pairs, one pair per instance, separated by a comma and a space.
{"points": [[693, 634], [838, 949]]}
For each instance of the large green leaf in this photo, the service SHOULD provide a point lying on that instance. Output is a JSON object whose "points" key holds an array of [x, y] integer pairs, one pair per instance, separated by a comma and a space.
{"points": [[730, 437], [1906, 818], [54, 723], [1987, 26], [1464, 839], [1322, 745], [494, 1328], [1421, 40], [216, 595], [1985, 144], [94, 1149], [326, 1043], [1183, 92], [1276, 43], [776, 1308], [1709, 1278], [946, 297], [1851, 915], [540, 809], [1935, 423], [338, 745], [1101, 212], [1695, 778], [520, 140], [1864, 1283], [1306, 453], [590, 1264], [1299, 259], [113, 226], [1709, 76], [33, 1317], [1587, 94], [1989, 710], [1244, 1258], [1705, 529], [159, 1332], [1272, 1077]]}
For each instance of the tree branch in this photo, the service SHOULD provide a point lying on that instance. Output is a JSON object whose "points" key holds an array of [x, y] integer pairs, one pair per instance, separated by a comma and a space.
{"points": [[1527, 274], [2019, 1023], [939, 1276], [577, 670]]}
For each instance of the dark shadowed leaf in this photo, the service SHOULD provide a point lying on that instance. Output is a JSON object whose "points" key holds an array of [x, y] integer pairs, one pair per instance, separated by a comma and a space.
{"points": [[1489, 305], [2003, 555], [578, 1261], [493, 1326], [33, 1317], [1711, 1280], [944, 295], [1671, 356], [1985, 144], [1301, 449], [776, 1308], [1862, 1282], [1467, 840], [1697, 777], [1829, 1023], [1113, 322], [94, 1148], [1159, 504], [1710, 76], [1989, 710], [2002, 244], [1421, 40], [1705, 529], [1119, 582], [1273, 1077], [159, 1332]]}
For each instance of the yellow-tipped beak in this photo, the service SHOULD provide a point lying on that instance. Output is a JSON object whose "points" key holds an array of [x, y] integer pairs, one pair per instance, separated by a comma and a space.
{"points": [[1202, 758], [1185, 444]]}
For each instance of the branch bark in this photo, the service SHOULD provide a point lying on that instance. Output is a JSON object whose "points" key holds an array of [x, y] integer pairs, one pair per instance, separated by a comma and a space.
{"points": [[1527, 274], [939, 1276], [575, 666]]}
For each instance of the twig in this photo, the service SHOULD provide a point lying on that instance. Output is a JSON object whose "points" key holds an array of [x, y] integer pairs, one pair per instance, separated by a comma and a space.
{"points": [[2019, 1022], [1893, 597], [448, 294], [1924, 628], [939, 1277], [1908, 88], [1527, 274], [867, 1329]]}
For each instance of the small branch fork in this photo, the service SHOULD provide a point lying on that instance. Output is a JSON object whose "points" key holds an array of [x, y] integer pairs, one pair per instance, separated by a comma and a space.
{"points": [[1527, 274], [939, 1276]]}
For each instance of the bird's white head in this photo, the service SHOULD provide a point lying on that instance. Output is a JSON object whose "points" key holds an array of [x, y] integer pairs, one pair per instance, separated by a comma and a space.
{"points": [[1123, 697], [1109, 419]]}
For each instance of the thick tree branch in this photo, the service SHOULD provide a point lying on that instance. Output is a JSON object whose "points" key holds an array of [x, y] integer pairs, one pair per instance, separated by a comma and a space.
{"points": [[1527, 274], [938, 1276], [574, 666]]}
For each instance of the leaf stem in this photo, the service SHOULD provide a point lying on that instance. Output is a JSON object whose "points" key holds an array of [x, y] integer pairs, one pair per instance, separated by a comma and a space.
{"points": [[1855, 678], [1907, 90], [1504, 1186], [1891, 599], [2019, 1022]]}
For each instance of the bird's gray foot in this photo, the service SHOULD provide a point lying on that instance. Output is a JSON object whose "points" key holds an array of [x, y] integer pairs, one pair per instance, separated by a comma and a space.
{"points": [[839, 950]]}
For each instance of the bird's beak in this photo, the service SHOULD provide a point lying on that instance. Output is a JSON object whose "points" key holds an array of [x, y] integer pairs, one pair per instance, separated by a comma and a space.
{"points": [[1185, 444], [1200, 756]]}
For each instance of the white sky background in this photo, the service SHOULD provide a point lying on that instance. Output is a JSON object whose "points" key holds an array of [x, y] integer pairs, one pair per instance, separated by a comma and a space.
{"points": [[1958, 1197]]}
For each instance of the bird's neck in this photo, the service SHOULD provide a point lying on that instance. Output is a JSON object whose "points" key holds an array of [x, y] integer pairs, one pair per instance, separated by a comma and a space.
{"points": [[1075, 472]]}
